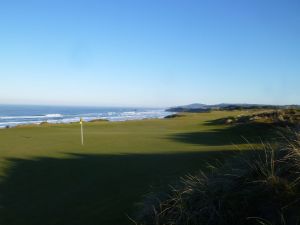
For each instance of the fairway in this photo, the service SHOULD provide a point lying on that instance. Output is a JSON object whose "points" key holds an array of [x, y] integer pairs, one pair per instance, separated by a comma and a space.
{"points": [[48, 178]]}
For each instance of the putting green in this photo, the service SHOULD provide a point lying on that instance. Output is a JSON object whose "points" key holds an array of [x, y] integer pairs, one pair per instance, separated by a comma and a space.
{"points": [[49, 178]]}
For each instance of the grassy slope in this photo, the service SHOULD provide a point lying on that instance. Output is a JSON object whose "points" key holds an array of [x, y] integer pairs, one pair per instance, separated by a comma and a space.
{"points": [[48, 178]]}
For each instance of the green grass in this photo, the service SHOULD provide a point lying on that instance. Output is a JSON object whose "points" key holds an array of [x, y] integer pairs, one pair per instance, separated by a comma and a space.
{"points": [[47, 177]]}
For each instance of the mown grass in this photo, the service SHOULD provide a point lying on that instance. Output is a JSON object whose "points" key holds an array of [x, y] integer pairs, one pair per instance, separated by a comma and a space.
{"points": [[47, 177]]}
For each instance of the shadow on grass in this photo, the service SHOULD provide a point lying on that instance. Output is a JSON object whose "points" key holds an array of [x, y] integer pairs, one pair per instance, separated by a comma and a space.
{"points": [[229, 134], [88, 189]]}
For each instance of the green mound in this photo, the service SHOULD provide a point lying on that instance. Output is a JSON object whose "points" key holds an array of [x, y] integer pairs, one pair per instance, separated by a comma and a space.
{"points": [[255, 187]]}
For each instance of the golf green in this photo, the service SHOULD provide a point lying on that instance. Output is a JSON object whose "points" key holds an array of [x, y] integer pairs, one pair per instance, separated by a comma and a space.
{"points": [[48, 178]]}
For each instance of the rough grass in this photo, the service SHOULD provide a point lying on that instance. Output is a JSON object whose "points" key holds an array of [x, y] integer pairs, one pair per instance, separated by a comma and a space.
{"points": [[260, 186], [48, 178]]}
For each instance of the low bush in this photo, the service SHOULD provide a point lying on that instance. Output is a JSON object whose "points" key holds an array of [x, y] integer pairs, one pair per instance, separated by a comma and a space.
{"points": [[255, 187]]}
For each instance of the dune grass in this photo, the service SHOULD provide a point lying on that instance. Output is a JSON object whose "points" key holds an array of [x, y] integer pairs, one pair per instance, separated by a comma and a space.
{"points": [[47, 177], [260, 186]]}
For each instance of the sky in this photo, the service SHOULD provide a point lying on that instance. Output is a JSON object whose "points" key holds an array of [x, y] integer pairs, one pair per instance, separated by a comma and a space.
{"points": [[155, 53]]}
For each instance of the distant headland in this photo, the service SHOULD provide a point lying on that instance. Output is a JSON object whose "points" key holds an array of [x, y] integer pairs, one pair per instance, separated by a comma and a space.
{"points": [[198, 107]]}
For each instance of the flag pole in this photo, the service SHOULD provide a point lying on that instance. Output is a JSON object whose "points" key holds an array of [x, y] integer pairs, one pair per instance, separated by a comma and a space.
{"points": [[81, 124]]}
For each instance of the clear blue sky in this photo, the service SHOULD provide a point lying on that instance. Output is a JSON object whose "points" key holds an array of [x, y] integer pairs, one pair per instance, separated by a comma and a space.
{"points": [[149, 52]]}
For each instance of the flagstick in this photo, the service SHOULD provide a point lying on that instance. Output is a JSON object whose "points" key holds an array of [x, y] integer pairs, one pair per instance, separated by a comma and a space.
{"points": [[81, 132]]}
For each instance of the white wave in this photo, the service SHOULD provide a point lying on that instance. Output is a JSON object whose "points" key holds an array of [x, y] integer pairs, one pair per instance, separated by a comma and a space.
{"points": [[19, 117], [53, 115], [31, 117], [111, 113], [15, 123], [11, 123], [59, 118]]}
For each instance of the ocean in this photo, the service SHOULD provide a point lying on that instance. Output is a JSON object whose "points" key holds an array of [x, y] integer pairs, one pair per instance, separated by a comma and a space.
{"points": [[14, 115]]}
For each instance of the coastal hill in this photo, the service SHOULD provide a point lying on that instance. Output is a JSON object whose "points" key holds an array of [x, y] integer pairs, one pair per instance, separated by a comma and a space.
{"points": [[198, 107]]}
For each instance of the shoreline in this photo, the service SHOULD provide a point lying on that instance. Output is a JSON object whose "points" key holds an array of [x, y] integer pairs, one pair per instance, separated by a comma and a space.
{"points": [[100, 120], [18, 116]]}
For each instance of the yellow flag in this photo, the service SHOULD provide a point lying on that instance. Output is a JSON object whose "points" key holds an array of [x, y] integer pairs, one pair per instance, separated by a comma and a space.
{"points": [[80, 121]]}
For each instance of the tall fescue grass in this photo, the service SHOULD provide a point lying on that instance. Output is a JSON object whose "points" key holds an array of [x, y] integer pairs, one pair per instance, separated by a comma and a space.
{"points": [[261, 186]]}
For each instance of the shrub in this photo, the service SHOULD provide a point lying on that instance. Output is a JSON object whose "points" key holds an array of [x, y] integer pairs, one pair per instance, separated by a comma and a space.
{"points": [[256, 187], [173, 116]]}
